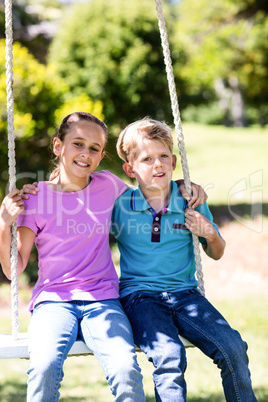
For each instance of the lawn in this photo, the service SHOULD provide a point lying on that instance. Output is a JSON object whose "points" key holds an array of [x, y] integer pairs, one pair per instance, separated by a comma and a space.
{"points": [[231, 163]]}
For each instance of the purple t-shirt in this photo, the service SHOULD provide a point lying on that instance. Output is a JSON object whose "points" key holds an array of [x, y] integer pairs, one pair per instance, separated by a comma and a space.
{"points": [[72, 239]]}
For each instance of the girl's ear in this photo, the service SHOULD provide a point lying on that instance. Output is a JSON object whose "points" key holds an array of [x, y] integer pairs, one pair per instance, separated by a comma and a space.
{"points": [[57, 146], [101, 157], [128, 170], [174, 161]]}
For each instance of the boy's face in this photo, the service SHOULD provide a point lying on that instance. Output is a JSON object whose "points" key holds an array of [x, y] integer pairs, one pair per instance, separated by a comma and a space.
{"points": [[152, 166]]}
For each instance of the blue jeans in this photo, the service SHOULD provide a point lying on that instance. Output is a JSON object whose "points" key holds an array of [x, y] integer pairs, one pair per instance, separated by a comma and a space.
{"points": [[158, 318], [103, 326]]}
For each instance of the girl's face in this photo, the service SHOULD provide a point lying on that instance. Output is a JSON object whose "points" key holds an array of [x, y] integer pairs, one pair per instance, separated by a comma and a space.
{"points": [[80, 152]]}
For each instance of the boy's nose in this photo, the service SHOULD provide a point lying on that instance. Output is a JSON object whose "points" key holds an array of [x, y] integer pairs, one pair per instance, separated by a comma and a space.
{"points": [[158, 162]]}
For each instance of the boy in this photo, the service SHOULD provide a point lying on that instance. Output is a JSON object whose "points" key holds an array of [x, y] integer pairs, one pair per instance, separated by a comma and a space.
{"points": [[158, 288]]}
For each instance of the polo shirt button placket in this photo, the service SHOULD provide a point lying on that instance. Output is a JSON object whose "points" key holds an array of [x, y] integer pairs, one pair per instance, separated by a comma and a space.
{"points": [[156, 228]]}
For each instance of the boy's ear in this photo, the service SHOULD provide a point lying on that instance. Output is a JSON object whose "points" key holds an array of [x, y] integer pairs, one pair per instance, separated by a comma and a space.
{"points": [[174, 161], [128, 170], [57, 146]]}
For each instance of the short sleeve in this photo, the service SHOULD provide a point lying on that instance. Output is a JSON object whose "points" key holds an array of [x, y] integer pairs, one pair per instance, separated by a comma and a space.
{"points": [[204, 210], [119, 186], [28, 216]]}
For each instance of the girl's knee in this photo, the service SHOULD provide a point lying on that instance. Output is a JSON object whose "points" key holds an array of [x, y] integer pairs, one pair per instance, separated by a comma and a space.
{"points": [[46, 368]]}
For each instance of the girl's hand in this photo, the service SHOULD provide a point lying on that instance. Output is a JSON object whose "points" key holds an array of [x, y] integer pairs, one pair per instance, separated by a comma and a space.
{"points": [[199, 196], [11, 207], [29, 189], [199, 224]]}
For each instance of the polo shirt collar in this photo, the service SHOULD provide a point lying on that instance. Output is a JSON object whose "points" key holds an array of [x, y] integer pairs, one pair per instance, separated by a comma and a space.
{"points": [[176, 204]]}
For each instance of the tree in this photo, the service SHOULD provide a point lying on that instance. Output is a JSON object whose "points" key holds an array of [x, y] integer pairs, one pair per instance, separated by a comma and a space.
{"points": [[34, 23], [227, 53], [112, 52], [40, 99]]}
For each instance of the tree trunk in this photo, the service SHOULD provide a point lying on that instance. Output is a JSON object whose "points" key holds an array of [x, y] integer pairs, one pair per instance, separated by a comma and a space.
{"points": [[224, 95], [237, 103]]}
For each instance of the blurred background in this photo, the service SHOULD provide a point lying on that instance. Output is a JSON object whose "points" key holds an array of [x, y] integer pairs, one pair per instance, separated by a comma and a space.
{"points": [[105, 57]]}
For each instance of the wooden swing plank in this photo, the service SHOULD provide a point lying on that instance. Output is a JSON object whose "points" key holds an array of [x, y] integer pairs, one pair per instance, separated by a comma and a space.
{"points": [[11, 348]]}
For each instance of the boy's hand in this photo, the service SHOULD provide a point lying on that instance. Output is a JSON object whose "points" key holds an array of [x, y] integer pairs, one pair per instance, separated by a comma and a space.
{"points": [[11, 207], [199, 196], [199, 224], [29, 189]]}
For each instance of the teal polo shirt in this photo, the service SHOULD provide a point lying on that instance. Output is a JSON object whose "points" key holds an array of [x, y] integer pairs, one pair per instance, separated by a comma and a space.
{"points": [[156, 249]]}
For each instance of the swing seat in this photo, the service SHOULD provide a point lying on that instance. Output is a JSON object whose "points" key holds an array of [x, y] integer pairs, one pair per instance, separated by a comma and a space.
{"points": [[11, 348]]}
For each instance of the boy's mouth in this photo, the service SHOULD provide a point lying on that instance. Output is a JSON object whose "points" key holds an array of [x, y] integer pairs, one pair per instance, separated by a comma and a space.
{"points": [[159, 175], [81, 164]]}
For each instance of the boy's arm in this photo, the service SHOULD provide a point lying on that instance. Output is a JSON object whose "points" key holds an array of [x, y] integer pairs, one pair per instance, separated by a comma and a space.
{"points": [[199, 196], [202, 227]]}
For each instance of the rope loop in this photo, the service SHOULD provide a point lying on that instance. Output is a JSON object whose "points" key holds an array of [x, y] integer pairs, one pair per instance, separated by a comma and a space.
{"points": [[178, 130], [11, 163]]}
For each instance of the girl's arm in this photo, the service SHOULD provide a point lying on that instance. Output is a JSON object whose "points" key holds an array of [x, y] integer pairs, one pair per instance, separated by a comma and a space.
{"points": [[201, 226], [11, 207], [199, 196]]}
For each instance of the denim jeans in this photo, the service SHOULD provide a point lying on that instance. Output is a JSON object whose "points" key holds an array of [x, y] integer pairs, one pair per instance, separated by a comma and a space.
{"points": [[103, 326], [158, 318]]}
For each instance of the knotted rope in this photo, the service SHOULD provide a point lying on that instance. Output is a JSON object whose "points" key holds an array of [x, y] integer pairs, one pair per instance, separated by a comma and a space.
{"points": [[178, 129], [11, 164]]}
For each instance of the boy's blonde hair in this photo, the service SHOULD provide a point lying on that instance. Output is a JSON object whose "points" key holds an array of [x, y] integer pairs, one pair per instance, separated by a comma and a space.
{"points": [[135, 133]]}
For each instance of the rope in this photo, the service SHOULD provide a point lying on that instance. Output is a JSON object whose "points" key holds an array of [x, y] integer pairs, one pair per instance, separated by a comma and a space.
{"points": [[12, 165], [178, 129]]}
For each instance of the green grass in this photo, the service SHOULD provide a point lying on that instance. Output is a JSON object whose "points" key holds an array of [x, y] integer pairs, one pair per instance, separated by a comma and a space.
{"points": [[85, 381], [230, 163]]}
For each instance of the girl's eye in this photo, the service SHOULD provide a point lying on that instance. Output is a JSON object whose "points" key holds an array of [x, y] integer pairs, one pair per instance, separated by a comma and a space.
{"points": [[94, 149], [147, 159], [78, 144], [164, 156]]}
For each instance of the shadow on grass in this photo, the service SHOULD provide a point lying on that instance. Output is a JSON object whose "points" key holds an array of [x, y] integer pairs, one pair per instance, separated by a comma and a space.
{"points": [[12, 391], [261, 394], [223, 214]]}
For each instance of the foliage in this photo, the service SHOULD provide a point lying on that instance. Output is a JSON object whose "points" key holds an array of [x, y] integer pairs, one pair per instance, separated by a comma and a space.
{"points": [[37, 93], [112, 52], [40, 99], [226, 40], [27, 28]]}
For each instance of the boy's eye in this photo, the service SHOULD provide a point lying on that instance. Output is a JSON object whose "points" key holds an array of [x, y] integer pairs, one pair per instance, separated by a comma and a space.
{"points": [[94, 149], [147, 159], [78, 144], [164, 156]]}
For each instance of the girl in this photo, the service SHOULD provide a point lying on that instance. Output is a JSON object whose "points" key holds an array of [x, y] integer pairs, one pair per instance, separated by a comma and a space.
{"points": [[76, 293]]}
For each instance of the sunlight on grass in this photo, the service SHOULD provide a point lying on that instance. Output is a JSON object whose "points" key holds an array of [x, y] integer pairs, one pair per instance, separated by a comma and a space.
{"points": [[229, 162]]}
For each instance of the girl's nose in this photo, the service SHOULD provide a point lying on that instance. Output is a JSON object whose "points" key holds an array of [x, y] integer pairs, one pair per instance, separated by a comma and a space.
{"points": [[85, 153]]}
